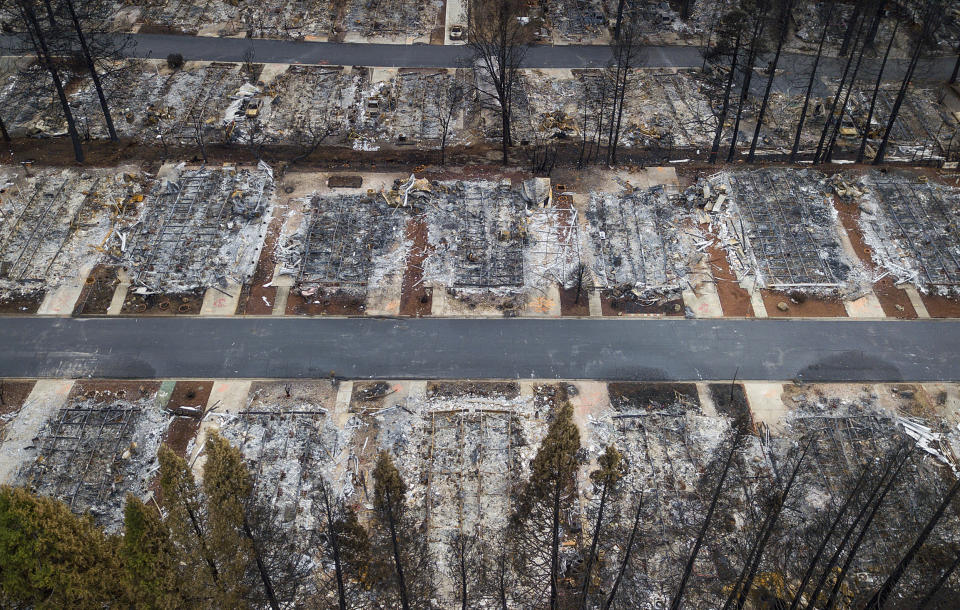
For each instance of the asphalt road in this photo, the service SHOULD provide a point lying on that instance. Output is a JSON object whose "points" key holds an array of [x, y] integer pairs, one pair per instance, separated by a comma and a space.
{"points": [[438, 56], [617, 349], [795, 67]]}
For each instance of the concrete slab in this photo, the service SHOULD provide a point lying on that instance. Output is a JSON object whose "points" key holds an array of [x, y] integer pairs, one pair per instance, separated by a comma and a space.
{"points": [[60, 302], [596, 308], [270, 72], [120, 294], [446, 305], [667, 176], [280, 300], [226, 396], [545, 304], [703, 298], [756, 301], [706, 400], [946, 397], [766, 403], [16, 447], [341, 407], [867, 306], [916, 301], [456, 14], [591, 397], [384, 300], [221, 301]]}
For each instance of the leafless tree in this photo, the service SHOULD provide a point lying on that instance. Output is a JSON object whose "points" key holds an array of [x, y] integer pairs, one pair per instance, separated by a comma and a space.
{"points": [[730, 39], [309, 133], [783, 23], [867, 126], [445, 104], [626, 51], [199, 135], [756, 24], [466, 568], [931, 20], [810, 81], [37, 30], [499, 42]]}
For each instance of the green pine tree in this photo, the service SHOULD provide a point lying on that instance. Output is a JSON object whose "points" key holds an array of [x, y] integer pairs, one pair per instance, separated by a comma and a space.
{"points": [[611, 468], [148, 558], [51, 558], [186, 521], [538, 524]]}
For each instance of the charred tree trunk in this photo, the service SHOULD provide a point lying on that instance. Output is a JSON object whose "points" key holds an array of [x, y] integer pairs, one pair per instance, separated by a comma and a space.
{"points": [[261, 568], [773, 73], [616, 30], [831, 601], [892, 119], [6, 138], [956, 68], [688, 569], [939, 584], [747, 78], [774, 517], [877, 18], [585, 589], [826, 539], [828, 124], [626, 556], [873, 99], [828, 569], [845, 46], [880, 597], [806, 100], [398, 563], [828, 156], [47, 61], [715, 149], [88, 58], [555, 546], [334, 549]]}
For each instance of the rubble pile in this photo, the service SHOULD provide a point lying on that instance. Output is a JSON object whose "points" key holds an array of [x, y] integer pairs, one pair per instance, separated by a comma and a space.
{"points": [[780, 228], [345, 242], [56, 224], [198, 228], [91, 453], [911, 228], [641, 242]]}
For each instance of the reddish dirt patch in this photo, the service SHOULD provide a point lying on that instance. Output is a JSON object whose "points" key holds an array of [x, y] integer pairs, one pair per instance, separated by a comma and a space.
{"points": [[255, 300], [183, 428], [895, 302], [810, 307], [571, 306], [415, 298], [98, 292], [13, 393], [327, 303], [184, 303], [612, 305], [108, 390], [941, 307], [734, 300], [26, 304]]}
